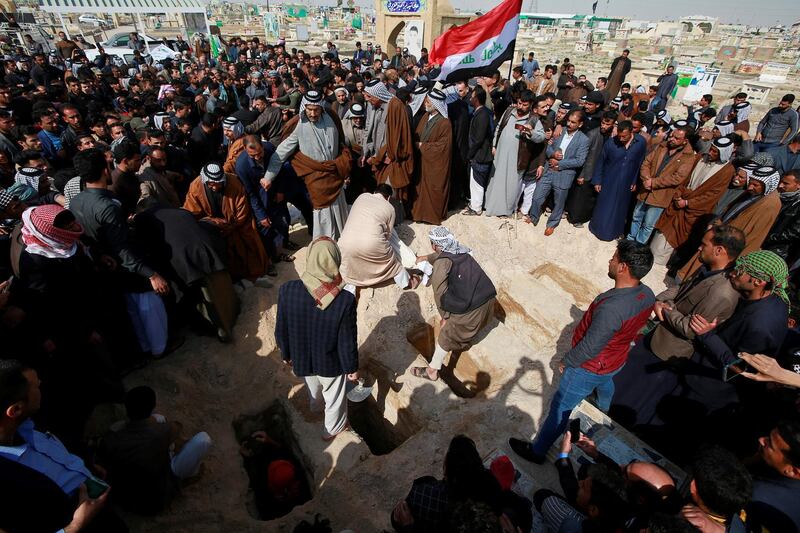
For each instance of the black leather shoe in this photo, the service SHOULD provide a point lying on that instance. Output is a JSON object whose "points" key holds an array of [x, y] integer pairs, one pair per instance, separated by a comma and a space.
{"points": [[523, 449]]}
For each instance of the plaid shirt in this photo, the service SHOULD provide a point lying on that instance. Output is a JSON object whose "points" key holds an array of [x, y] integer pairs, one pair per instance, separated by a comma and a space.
{"points": [[428, 502], [318, 342]]}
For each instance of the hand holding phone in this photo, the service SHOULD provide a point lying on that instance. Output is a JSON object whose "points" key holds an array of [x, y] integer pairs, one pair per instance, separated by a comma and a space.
{"points": [[574, 430], [95, 487]]}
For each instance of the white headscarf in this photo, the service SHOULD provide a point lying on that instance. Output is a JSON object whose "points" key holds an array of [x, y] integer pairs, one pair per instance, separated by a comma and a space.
{"points": [[743, 111], [337, 90], [378, 89], [664, 115], [159, 119], [353, 109], [441, 237], [725, 147], [725, 127]]}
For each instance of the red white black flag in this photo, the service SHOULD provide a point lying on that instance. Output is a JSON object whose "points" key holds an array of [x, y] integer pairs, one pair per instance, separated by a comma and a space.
{"points": [[478, 48]]}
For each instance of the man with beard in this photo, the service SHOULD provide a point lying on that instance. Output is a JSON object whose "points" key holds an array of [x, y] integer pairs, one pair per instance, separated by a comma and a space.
{"points": [[360, 179], [566, 82], [600, 346], [619, 69], [518, 139], [593, 107], [754, 213], [693, 200], [778, 125], [479, 152], [784, 237], [663, 170], [435, 144], [269, 122], [316, 146], [639, 386], [389, 144], [582, 196], [566, 155], [614, 179], [342, 103]]}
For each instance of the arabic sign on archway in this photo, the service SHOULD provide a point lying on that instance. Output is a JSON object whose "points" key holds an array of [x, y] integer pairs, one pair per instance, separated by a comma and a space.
{"points": [[404, 6]]}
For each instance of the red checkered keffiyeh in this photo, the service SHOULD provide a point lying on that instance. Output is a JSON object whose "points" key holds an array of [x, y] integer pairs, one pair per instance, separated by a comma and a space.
{"points": [[41, 237]]}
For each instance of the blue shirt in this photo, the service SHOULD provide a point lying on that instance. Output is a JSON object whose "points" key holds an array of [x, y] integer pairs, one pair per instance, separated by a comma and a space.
{"points": [[51, 144], [528, 67], [46, 454]]}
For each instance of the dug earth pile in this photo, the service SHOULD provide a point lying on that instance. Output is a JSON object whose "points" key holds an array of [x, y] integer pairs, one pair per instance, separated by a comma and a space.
{"points": [[501, 387]]}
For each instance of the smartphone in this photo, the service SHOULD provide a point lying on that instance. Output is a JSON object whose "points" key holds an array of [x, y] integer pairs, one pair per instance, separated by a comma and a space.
{"points": [[736, 368], [95, 487], [574, 430], [520, 127]]}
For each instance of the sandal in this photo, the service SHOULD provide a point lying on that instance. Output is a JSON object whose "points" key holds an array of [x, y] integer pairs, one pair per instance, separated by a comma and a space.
{"points": [[286, 258], [422, 372]]}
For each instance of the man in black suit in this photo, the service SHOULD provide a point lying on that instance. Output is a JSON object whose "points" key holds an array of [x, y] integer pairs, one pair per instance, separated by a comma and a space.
{"points": [[480, 155]]}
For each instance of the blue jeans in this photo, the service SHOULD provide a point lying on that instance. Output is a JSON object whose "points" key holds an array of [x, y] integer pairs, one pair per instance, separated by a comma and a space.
{"points": [[543, 188], [644, 219], [576, 384]]}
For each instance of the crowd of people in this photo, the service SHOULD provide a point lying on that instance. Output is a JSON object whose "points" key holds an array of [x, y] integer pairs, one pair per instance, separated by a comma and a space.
{"points": [[141, 199]]}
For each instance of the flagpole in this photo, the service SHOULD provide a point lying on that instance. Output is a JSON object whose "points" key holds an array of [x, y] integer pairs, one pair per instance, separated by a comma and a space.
{"points": [[513, 51]]}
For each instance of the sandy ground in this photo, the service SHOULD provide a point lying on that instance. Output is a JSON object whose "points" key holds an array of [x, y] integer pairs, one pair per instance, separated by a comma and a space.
{"points": [[504, 383]]}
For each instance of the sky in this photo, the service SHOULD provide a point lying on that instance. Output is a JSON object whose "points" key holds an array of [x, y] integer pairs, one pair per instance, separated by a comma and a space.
{"points": [[757, 12]]}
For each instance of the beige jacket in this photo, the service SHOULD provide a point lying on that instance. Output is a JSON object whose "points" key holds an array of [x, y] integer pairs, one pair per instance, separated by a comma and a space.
{"points": [[712, 297]]}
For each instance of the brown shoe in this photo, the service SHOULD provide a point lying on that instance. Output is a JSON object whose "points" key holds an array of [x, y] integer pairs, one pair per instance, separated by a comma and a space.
{"points": [[549, 231]]}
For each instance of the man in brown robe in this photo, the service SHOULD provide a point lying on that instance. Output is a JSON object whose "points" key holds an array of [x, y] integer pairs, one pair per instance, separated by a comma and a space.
{"points": [[233, 130], [754, 213], [435, 144], [389, 146], [710, 176], [220, 199]]}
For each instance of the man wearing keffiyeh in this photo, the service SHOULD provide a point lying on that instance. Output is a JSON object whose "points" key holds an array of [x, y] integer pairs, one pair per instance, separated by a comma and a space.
{"points": [[435, 145], [754, 212], [464, 295], [758, 325], [315, 144], [316, 333], [389, 143]]}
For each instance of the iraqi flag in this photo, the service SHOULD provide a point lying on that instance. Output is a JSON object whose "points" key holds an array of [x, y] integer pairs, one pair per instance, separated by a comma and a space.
{"points": [[478, 48]]}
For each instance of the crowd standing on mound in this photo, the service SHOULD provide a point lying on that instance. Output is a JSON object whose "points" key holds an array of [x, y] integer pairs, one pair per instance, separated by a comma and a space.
{"points": [[139, 200]]}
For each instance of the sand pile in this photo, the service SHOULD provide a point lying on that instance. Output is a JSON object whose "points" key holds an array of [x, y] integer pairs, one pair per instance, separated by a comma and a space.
{"points": [[500, 389]]}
